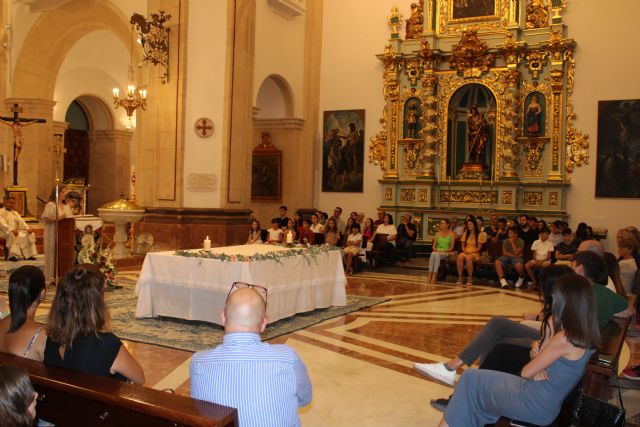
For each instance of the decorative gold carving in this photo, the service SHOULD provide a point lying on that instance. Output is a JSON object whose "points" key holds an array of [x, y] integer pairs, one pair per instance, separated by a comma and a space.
{"points": [[423, 195], [395, 22], [463, 196], [512, 51], [407, 194], [507, 197], [532, 198], [558, 47], [413, 69], [415, 21], [533, 157], [535, 61], [378, 144], [577, 142], [410, 166], [417, 221], [471, 57], [428, 150], [429, 58], [433, 225], [556, 101], [537, 14], [553, 198], [508, 149], [388, 194]]}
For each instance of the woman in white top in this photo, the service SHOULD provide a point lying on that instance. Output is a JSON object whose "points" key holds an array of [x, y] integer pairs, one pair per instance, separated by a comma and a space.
{"points": [[316, 227], [49, 218], [255, 236], [352, 247], [390, 230], [626, 248]]}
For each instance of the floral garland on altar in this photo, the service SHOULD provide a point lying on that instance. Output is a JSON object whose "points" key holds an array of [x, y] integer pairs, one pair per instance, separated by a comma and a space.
{"points": [[309, 252], [102, 259]]}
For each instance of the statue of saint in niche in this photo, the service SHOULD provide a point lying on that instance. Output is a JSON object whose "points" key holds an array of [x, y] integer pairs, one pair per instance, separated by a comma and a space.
{"points": [[534, 117], [412, 120], [414, 22], [478, 135]]}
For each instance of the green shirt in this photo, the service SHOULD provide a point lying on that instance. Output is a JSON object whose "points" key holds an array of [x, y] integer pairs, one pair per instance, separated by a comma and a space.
{"points": [[508, 247], [607, 303]]}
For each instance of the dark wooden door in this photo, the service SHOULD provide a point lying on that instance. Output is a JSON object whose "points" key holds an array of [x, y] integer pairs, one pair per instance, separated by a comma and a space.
{"points": [[76, 159]]}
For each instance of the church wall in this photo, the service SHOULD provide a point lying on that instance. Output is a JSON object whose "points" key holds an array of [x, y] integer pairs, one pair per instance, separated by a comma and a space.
{"points": [[607, 62], [606, 68], [95, 65], [206, 79], [279, 50]]}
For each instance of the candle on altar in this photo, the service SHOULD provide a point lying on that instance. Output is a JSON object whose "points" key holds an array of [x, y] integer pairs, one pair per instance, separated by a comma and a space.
{"points": [[132, 182], [289, 238], [207, 244]]}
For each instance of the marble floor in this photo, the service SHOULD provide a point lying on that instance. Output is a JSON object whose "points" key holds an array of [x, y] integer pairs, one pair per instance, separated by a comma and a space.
{"points": [[361, 364]]}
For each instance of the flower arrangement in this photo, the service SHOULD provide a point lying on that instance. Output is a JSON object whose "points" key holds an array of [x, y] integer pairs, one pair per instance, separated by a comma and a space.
{"points": [[102, 259], [309, 252]]}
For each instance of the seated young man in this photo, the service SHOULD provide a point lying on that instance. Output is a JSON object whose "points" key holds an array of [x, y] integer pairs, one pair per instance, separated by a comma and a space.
{"points": [[566, 250], [512, 249], [542, 250]]}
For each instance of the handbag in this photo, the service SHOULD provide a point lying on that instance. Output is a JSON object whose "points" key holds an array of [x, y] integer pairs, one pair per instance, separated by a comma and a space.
{"points": [[592, 412]]}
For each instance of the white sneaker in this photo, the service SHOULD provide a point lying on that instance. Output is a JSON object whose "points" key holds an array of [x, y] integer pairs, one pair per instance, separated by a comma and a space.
{"points": [[503, 283], [437, 371], [520, 282]]}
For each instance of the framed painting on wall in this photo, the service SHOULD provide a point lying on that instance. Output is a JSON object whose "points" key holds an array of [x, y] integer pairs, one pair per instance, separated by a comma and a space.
{"points": [[266, 171], [472, 9], [343, 151], [618, 161]]}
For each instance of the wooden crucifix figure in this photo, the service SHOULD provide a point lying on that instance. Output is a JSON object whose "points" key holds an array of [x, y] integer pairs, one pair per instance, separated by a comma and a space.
{"points": [[17, 123]]}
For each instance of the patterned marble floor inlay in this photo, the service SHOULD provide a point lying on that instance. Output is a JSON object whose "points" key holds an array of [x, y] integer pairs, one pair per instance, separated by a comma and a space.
{"points": [[361, 364]]}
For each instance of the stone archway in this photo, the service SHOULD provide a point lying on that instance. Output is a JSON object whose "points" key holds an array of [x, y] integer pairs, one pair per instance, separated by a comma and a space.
{"points": [[36, 70], [275, 99]]}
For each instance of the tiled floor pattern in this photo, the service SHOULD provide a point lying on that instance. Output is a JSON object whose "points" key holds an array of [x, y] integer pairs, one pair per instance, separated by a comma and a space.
{"points": [[361, 364]]}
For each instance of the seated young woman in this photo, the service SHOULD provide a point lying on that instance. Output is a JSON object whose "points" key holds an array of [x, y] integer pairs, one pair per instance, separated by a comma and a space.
{"points": [[19, 332], [352, 247], [391, 232], [17, 397], [331, 233], [255, 236], [472, 240], [78, 329], [316, 227], [443, 244], [306, 236], [557, 365]]}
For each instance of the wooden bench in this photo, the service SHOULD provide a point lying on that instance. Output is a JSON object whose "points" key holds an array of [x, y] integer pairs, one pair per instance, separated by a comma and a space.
{"points": [[70, 398], [600, 369], [375, 254]]}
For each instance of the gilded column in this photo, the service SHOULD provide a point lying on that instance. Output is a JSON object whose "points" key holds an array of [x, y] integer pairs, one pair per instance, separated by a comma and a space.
{"points": [[556, 126], [509, 151], [428, 150]]}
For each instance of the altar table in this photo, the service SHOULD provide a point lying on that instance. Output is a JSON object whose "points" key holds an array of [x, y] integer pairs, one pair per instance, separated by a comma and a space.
{"points": [[196, 288]]}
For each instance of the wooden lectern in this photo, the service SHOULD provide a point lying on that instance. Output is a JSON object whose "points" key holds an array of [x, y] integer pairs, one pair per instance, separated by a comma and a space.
{"points": [[66, 257]]}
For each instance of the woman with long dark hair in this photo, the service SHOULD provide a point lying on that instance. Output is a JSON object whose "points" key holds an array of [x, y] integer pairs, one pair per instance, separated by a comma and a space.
{"points": [[17, 397], [78, 329], [19, 332], [559, 358], [472, 240]]}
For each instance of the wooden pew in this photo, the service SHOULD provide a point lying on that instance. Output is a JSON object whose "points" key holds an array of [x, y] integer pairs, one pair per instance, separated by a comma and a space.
{"points": [[70, 398]]}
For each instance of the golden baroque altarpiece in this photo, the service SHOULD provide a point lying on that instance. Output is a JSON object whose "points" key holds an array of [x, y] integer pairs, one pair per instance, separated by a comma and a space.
{"points": [[478, 114]]}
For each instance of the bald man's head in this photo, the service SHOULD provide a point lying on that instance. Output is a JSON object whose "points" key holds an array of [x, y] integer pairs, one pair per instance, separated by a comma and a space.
{"points": [[591, 245], [244, 312]]}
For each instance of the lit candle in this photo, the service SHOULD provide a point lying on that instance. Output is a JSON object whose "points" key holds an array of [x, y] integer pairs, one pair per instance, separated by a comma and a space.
{"points": [[289, 238], [207, 244]]}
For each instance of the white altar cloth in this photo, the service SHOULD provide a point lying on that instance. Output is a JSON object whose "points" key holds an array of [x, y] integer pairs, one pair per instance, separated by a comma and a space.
{"points": [[196, 288]]}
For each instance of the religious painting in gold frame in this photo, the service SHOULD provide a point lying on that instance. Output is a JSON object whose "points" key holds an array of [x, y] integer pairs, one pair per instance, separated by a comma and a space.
{"points": [[266, 171], [485, 15], [472, 10]]}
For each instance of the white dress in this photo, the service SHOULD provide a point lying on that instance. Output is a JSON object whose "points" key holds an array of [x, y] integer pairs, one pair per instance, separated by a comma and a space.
{"points": [[50, 236], [24, 244]]}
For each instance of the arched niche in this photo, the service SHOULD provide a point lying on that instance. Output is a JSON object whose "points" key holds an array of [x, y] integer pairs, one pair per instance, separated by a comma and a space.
{"points": [[461, 106], [275, 98]]}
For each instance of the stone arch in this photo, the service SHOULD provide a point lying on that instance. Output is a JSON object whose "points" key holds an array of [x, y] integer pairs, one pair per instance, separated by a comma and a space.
{"points": [[52, 36], [275, 98], [98, 112]]}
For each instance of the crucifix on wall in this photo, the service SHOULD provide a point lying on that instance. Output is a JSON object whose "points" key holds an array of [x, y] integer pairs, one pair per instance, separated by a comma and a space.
{"points": [[17, 123]]}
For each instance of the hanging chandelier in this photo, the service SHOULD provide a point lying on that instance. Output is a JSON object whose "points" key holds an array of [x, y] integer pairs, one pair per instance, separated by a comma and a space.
{"points": [[136, 96]]}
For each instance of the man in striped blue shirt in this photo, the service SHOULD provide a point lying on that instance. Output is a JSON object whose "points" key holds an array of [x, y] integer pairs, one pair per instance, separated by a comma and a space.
{"points": [[266, 383]]}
